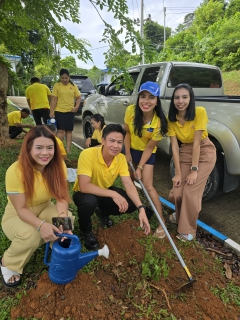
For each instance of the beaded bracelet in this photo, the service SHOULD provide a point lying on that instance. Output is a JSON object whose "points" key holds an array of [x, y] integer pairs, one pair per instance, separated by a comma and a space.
{"points": [[140, 167], [38, 229]]}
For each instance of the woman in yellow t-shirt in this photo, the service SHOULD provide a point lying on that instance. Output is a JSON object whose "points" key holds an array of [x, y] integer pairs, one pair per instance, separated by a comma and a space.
{"points": [[98, 124], [64, 104], [31, 182], [145, 124], [193, 161]]}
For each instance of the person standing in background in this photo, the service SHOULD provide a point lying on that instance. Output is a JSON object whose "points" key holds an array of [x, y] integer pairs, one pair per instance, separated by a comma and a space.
{"points": [[38, 96], [64, 104], [98, 125], [53, 128]]}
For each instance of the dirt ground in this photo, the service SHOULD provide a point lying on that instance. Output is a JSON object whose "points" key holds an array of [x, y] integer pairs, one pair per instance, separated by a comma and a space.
{"points": [[118, 290]]}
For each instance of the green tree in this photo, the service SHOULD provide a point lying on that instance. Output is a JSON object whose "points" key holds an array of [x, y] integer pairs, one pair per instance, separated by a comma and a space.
{"points": [[95, 75], [70, 64], [154, 33], [18, 17]]}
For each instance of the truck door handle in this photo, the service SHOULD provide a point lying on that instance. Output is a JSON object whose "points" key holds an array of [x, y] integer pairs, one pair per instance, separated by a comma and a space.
{"points": [[126, 103]]}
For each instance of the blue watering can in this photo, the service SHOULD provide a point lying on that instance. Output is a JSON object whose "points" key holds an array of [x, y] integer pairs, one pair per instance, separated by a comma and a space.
{"points": [[66, 258]]}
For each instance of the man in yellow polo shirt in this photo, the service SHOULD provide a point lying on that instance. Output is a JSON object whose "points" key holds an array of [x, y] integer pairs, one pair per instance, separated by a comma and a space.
{"points": [[15, 122], [98, 168], [38, 96]]}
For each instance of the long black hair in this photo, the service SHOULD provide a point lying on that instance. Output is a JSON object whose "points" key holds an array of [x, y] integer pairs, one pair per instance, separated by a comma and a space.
{"points": [[138, 118], [98, 117], [65, 71], [190, 111]]}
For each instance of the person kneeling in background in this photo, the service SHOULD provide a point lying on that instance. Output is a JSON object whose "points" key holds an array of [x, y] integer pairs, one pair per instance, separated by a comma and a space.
{"points": [[98, 125], [15, 122]]}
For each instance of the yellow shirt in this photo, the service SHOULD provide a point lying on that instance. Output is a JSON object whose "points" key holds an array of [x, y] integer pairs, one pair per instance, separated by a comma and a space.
{"points": [[66, 95], [185, 133], [149, 131], [38, 94], [97, 134], [91, 164], [14, 117], [14, 184], [61, 146]]}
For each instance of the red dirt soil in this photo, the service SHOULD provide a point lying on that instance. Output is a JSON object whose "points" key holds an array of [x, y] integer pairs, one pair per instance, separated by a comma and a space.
{"points": [[117, 289]]}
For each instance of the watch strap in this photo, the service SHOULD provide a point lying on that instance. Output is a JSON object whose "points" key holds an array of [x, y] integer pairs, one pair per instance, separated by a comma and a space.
{"points": [[141, 206]]}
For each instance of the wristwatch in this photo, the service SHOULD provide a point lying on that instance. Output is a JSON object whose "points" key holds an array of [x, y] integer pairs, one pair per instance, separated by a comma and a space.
{"points": [[193, 168], [141, 206]]}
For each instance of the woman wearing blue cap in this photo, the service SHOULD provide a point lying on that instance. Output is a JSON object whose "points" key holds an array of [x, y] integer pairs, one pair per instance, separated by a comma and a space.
{"points": [[145, 124]]}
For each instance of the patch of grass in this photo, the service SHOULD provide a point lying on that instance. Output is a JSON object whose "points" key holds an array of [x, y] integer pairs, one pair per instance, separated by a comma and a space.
{"points": [[229, 294], [231, 81]]}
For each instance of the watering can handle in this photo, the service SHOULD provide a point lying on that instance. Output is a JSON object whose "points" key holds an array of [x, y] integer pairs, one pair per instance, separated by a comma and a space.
{"points": [[46, 254]]}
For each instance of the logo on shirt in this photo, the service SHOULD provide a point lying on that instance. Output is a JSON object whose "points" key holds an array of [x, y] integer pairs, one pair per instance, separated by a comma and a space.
{"points": [[150, 129]]}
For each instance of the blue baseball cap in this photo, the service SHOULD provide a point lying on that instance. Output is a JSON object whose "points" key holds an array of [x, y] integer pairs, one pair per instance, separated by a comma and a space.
{"points": [[151, 87]]}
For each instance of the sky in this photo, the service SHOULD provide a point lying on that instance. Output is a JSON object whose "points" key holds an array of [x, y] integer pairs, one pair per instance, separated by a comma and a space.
{"points": [[92, 27]]}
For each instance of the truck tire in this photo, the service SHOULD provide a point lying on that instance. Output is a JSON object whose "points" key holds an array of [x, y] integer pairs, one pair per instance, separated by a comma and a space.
{"points": [[87, 127], [214, 182]]}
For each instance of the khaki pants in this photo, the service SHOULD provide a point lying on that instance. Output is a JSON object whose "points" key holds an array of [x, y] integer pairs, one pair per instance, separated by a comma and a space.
{"points": [[188, 198], [25, 238]]}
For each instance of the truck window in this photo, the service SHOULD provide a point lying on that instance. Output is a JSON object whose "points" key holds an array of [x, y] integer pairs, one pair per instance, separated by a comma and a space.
{"points": [[196, 77], [119, 87], [150, 74]]}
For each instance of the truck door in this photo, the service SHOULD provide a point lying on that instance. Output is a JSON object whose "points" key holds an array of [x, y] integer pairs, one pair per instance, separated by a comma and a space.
{"points": [[117, 98]]}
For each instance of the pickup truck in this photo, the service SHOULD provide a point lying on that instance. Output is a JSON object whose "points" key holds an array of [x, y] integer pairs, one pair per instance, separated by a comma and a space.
{"points": [[206, 80]]}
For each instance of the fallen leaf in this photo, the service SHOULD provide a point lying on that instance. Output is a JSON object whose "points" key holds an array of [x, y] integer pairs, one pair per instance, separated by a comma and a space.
{"points": [[228, 272]]}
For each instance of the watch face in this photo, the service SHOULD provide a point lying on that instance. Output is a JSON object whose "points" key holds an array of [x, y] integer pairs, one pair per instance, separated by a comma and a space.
{"points": [[194, 168]]}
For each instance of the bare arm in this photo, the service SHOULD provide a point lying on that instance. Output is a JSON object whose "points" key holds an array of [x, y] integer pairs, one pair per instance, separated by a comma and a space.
{"points": [[28, 102], [53, 104], [133, 195], [23, 125], [177, 179], [77, 104], [127, 143]]}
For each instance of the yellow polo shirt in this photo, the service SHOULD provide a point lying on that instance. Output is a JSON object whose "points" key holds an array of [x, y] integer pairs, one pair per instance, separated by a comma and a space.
{"points": [[38, 94], [91, 164], [149, 131], [14, 184], [185, 133], [66, 95], [61, 146], [14, 117], [97, 134]]}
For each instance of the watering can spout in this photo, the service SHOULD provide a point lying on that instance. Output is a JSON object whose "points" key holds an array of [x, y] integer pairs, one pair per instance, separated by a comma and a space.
{"points": [[104, 251]]}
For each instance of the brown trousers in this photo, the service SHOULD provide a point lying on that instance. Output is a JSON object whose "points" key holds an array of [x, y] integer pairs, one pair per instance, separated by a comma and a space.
{"points": [[188, 198]]}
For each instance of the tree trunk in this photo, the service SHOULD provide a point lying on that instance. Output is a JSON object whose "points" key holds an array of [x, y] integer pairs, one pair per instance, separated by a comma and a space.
{"points": [[3, 104]]}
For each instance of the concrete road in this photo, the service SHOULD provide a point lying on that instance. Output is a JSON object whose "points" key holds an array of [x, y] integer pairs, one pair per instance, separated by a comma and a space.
{"points": [[222, 213]]}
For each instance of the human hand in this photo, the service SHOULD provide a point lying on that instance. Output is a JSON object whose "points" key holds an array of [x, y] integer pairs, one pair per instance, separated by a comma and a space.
{"points": [[177, 180], [65, 231], [191, 178], [144, 223], [87, 143], [51, 115], [48, 231], [121, 202], [75, 109], [138, 174]]}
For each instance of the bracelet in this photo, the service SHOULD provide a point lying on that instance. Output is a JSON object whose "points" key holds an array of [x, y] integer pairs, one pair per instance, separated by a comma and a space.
{"points": [[39, 227], [141, 206], [63, 213], [140, 167]]}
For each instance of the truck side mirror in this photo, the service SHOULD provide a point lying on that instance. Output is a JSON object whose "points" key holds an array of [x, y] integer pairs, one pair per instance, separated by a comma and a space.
{"points": [[101, 89]]}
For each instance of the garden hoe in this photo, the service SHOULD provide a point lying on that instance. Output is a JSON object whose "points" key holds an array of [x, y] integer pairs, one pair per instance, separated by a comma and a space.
{"points": [[191, 280]]}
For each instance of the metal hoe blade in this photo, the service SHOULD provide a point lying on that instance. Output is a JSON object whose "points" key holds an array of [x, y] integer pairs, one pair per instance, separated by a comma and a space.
{"points": [[191, 280]]}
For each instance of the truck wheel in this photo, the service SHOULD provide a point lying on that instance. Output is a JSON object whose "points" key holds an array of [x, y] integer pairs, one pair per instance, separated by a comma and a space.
{"points": [[215, 180], [87, 127]]}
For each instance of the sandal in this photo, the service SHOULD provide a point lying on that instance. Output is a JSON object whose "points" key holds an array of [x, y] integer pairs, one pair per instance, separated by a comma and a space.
{"points": [[173, 218], [159, 233], [7, 274], [185, 237]]}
